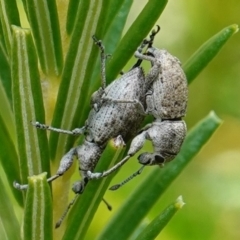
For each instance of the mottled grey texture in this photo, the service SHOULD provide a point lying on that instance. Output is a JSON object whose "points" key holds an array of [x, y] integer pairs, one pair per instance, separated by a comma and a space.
{"points": [[169, 91], [166, 100], [117, 111], [167, 138], [115, 117]]}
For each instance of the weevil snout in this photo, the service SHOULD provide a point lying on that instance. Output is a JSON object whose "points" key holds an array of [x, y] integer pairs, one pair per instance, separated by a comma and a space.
{"points": [[79, 186]]}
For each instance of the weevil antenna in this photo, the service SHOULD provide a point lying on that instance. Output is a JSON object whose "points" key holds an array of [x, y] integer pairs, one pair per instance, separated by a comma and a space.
{"points": [[117, 186], [59, 222]]}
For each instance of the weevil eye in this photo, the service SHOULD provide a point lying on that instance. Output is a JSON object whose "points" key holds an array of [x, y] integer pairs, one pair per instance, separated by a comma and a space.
{"points": [[151, 159], [159, 159]]}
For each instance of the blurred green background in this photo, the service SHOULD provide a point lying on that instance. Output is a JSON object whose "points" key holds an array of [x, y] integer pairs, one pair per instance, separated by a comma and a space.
{"points": [[210, 185]]}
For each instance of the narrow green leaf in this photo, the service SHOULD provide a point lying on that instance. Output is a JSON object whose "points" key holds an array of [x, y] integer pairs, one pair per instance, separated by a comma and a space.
{"points": [[80, 62], [134, 36], [200, 59], [155, 227], [143, 198], [24, 4], [115, 28], [8, 16], [2, 41], [38, 210], [43, 18], [83, 211], [5, 75], [71, 15], [7, 114], [9, 223], [114, 9], [28, 106], [9, 160]]}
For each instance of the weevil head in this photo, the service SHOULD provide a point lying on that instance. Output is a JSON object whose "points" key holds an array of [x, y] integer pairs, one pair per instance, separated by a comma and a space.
{"points": [[79, 186], [88, 154], [151, 159]]}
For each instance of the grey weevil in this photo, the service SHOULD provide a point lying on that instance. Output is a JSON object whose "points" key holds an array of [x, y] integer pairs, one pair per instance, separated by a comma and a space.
{"points": [[167, 101]]}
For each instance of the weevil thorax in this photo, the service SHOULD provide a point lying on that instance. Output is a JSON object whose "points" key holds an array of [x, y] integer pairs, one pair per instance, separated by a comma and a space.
{"points": [[169, 91]]}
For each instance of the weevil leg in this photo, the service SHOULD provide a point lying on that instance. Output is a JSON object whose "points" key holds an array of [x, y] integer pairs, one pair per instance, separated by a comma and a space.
{"points": [[65, 164], [96, 98], [25, 186], [103, 60], [136, 145], [76, 131], [138, 54], [154, 71]]}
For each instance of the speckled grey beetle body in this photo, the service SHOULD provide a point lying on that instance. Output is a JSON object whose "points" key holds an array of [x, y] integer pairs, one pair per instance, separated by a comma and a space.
{"points": [[169, 96], [118, 116], [115, 117], [167, 101]]}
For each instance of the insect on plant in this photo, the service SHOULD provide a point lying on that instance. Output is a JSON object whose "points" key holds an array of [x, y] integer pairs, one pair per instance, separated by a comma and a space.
{"points": [[118, 111], [166, 100]]}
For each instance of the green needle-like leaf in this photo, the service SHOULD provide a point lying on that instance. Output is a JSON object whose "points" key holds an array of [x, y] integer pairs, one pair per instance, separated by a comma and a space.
{"points": [[155, 227], [9, 223], [71, 15], [114, 31], [6, 112], [46, 33], [38, 210], [28, 106], [114, 7], [8, 16], [200, 59], [143, 198], [9, 160], [5, 75]]}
